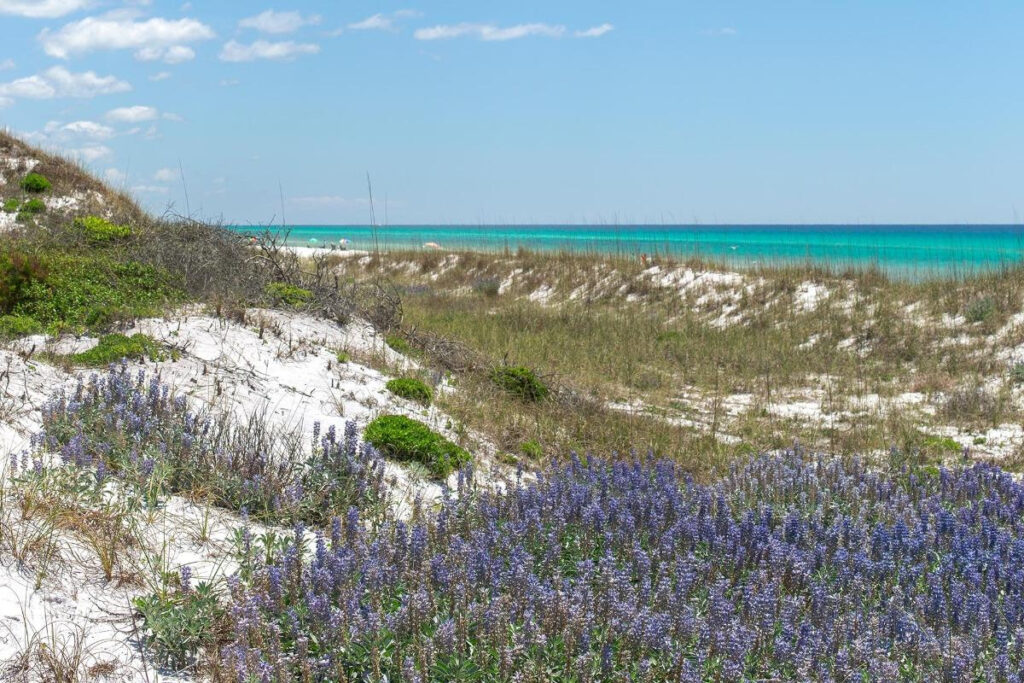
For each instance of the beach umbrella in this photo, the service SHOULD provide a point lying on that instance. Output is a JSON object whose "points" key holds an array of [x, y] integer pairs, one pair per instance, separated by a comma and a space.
{"points": [[431, 245]]}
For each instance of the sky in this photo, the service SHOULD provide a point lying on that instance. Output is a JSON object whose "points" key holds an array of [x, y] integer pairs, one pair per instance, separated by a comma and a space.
{"points": [[575, 111]]}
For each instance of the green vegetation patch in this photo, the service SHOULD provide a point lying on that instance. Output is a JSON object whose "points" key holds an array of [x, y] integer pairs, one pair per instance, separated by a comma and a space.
{"points": [[980, 310], [114, 347], [33, 207], [398, 344], [520, 381], [101, 231], [532, 449], [403, 438], [18, 325], [11, 205], [80, 291], [289, 295], [34, 182], [342, 357], [412, 389]]}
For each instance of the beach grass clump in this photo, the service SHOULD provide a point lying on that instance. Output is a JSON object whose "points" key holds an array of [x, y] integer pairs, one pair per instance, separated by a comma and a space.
{"points": [[132, 427], [521, 382], [31, 207], [35, 183], [342, 357], [398, 344], [98, 230], [403, 438], [412, 389], [115, 347], [790, 567], [11, 205], [980, 309]]}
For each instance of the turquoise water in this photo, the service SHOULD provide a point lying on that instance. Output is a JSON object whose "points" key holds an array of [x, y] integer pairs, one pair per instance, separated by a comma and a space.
{"points": [[913, 249]]}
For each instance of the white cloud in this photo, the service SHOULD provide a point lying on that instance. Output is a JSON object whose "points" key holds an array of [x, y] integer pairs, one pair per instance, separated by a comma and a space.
{"points": [[489, 32], [234, 51], [165, 175], [88, 129], [228, 82], [135, 114], [726, 31], [175, 54], [115, 176], [91, 153], [383, 22], [160, 76], [41, 9], [168, 116], [151, 189], [59, 82], [7, 65], [5, 102], [278, 22], [152, 39], [594, 31]]}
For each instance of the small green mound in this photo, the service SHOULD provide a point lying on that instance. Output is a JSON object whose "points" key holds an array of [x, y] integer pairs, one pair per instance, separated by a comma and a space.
{"points": [[520, 381], [114, 347], [402, 438], [289, 295], [18, 325], [35, 182], [412, 389], [342, 357], [33, 207], [398, 344], [12, 205], [100, 230], [940, 444], [532, 449]]}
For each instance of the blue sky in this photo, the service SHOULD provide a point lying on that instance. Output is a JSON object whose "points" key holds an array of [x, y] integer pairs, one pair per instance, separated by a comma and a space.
{"points": [[488, 112]]}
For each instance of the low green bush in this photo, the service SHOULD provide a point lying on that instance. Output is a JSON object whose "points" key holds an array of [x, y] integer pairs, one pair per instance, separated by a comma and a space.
{"points": [[178, 625], [980, 310], [81, 291], [532, 449], [289, 295], [12, 205], [398, 344], [520, 381], [35, 182], [114, 347], [32, 207], [18, 325], [342, 357], [412, 389], [403, 438], [99, 230]]}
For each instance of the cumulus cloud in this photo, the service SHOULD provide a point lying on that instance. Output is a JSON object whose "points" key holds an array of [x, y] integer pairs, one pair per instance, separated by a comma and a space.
{"points": [[115, 176], [59, 82], [278, 22], [6, 64], [234, 51], [136, 114], [150, 189], [91, 153], [160, 76], [383, 22], [152, 39], [41, 9], [594, 31], [88, 129], [489, 32], [165, 175]]}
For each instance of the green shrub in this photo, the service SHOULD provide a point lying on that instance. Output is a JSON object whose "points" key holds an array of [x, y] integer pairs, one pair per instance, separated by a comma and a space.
{"points": [[940, 444], [289, 295], [99, 230], [398, 344], [532, 449], [178, 625], [979, 310], [114, 347], [35, 182], [18, 325], [412, 389], [520, 381], [342, 357], [84, 290], [402, 438], [33, 207], [1017, 374], [11, 205]]}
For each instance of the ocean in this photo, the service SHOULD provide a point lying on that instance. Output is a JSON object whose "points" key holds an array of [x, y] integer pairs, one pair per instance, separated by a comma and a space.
{"points": [[915, 250]]}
